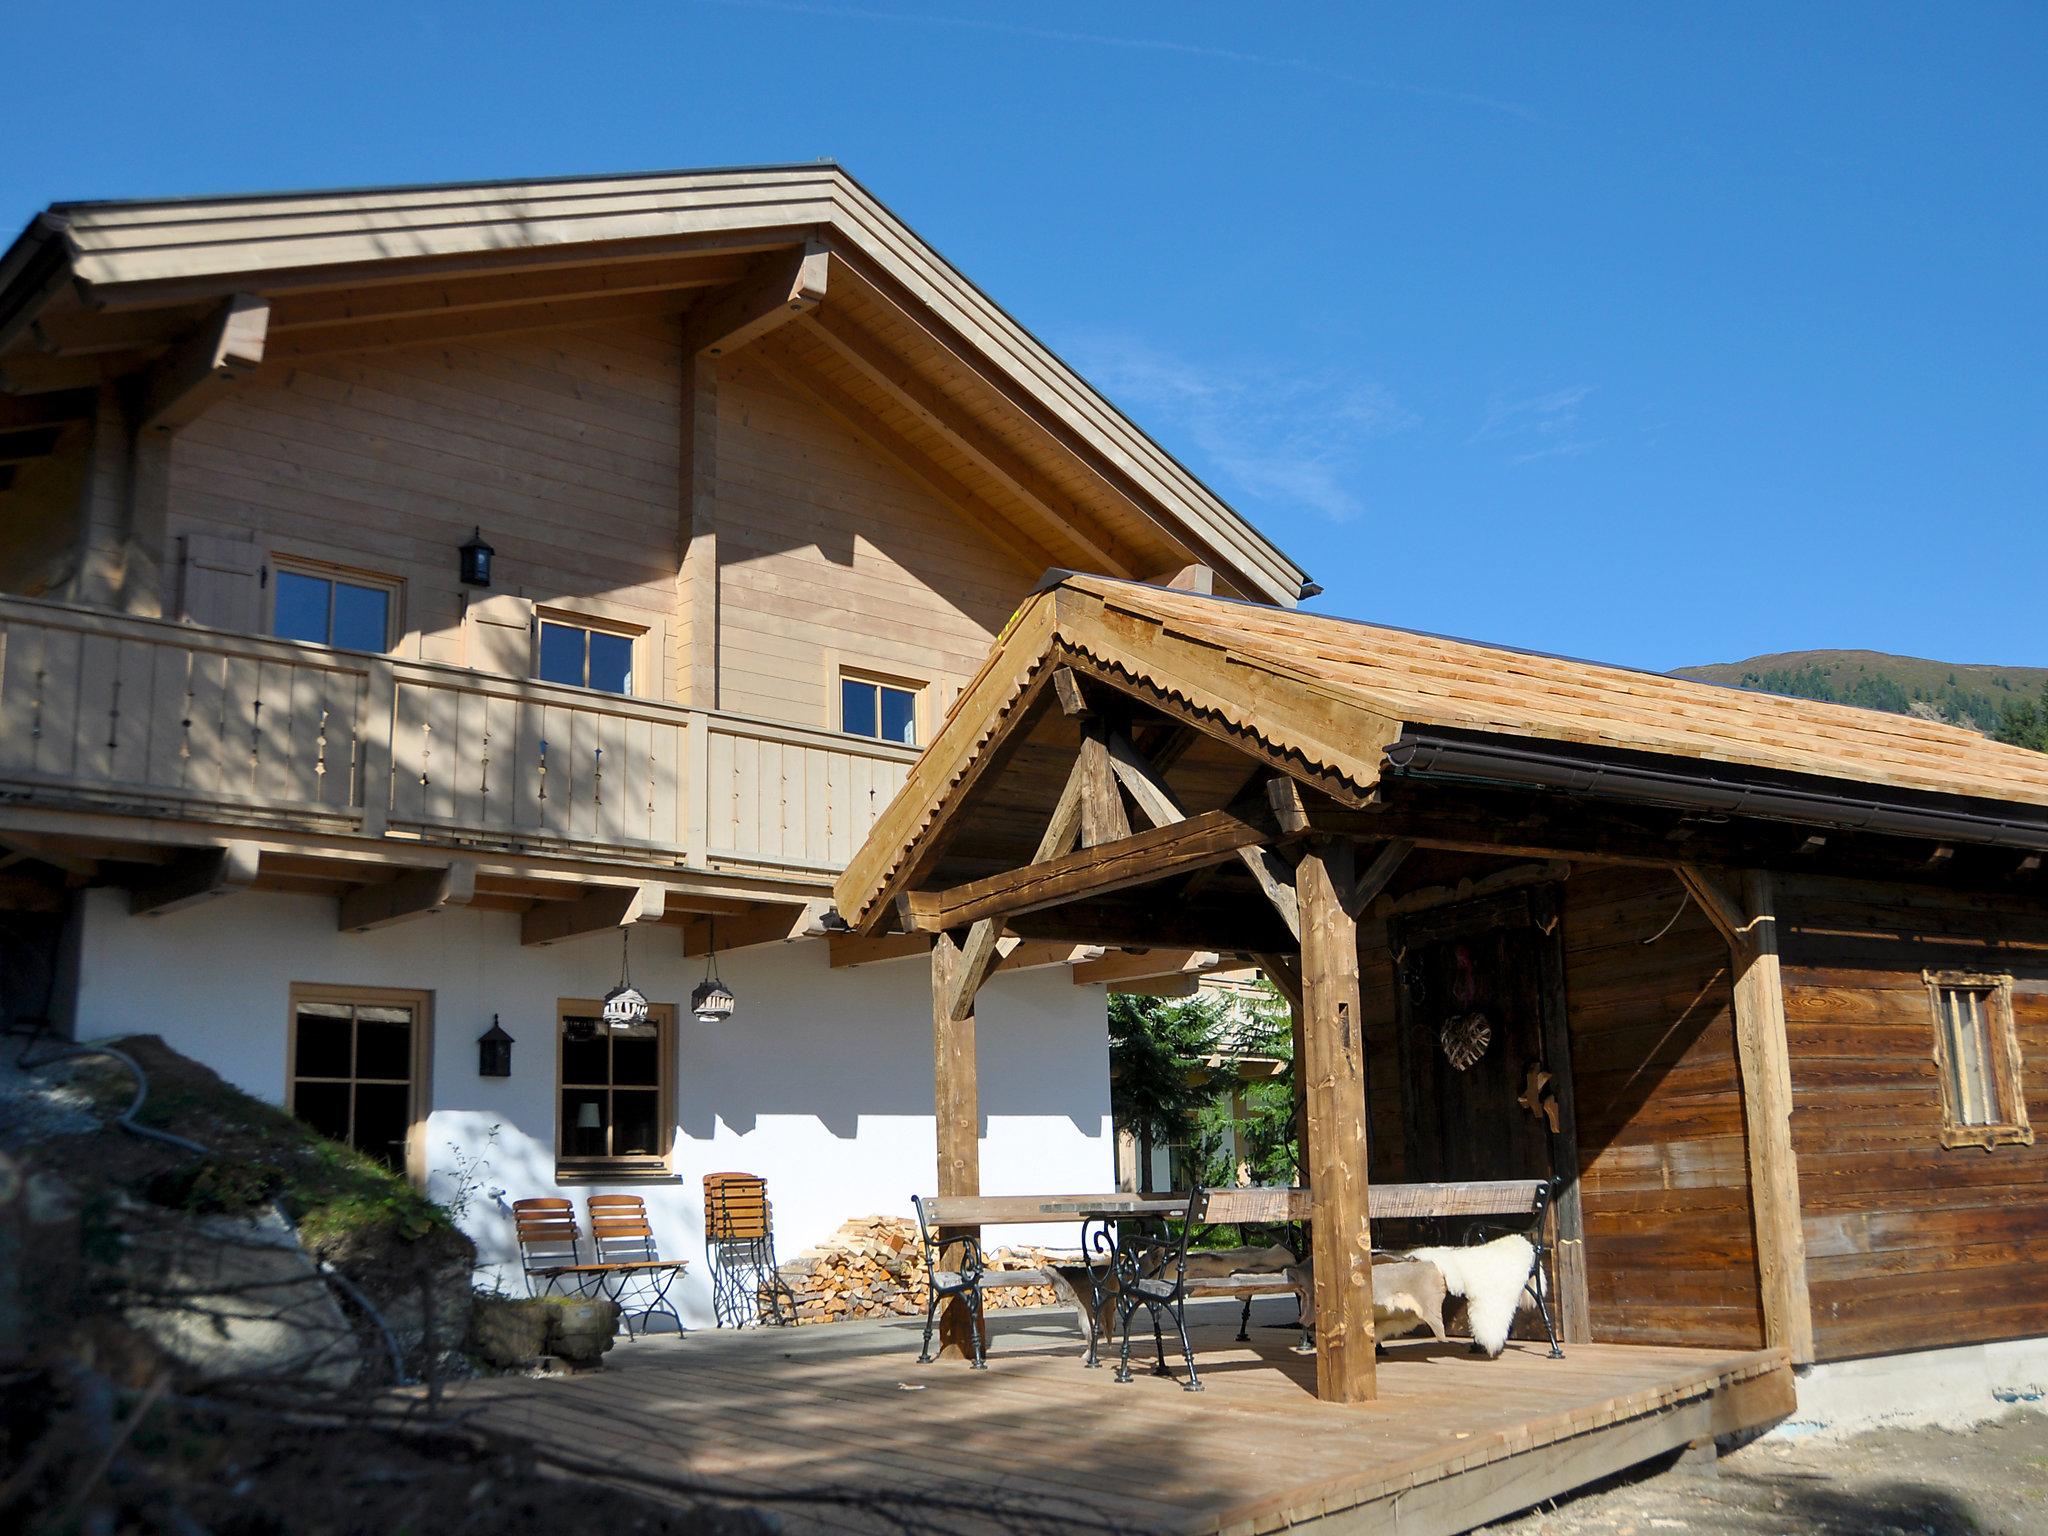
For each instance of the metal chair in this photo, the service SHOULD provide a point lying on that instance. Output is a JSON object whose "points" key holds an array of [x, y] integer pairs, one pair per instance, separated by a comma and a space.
{"points": [[622, 1241], [739, 1243], [941, 1282], [1148, 1261]]}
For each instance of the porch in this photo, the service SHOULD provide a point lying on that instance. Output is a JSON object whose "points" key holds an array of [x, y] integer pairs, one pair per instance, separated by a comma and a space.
{"points": [[1037, 1443]]}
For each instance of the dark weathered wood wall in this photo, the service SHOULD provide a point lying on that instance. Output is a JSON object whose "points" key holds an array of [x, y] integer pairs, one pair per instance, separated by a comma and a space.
{"points": [[1670, 1247], [1909, 1244]]}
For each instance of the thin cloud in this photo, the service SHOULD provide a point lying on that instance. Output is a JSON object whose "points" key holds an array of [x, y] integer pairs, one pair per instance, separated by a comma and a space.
{"points": [[1537, 426], [1114, 40], [1265, 435]]}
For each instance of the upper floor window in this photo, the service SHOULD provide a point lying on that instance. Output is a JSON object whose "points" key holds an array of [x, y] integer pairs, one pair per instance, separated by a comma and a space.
{"points": [[876, 708], [1977, 1057], [586, 657], [353, 613]]}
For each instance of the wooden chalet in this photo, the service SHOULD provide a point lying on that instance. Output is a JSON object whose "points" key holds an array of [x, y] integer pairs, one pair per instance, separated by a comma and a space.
{"points": [[1760, 980]]}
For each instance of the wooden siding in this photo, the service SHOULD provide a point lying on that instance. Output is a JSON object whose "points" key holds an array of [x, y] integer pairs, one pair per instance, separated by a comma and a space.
{"points": [[561, 445], [1670, 1247], [829, 555], [1909, 1244]]}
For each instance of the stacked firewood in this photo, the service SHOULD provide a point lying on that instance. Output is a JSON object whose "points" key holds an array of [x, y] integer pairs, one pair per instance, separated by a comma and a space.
{"points": [[873, 1266]]}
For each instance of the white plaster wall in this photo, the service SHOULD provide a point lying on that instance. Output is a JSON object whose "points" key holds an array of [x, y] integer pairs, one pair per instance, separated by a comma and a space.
{"points": [[1953, 1388], [822, 1082]]}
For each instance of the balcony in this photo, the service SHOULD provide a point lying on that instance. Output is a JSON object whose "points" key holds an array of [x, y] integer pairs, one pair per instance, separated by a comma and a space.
{"points": [[103, 715]]}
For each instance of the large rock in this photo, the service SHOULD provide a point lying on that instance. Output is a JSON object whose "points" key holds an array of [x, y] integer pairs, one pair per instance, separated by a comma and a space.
{"points": [[231, 1298]]}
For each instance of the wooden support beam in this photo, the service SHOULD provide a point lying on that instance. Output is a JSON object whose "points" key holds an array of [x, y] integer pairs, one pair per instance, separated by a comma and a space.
{"points": [[876, 434], [229, 346], [416, 893], [1743, 907], [848, 949], [1150, 794], [1332, 1062], [1102, 805], [618, 906], [774, 924], [785, 286], [979, 954], [1185, 578], [1117, 970], [1139, 859], [988, 452], [1373, 879], [193, 877], [1143, 921], [956, 1109]]}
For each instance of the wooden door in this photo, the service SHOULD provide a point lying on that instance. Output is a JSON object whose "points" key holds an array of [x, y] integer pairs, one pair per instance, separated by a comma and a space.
{"points": [[1485, 1053], [1471, 1036]]}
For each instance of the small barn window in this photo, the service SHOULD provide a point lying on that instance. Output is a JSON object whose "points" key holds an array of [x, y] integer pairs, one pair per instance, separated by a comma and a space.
{"points": [[1977, 1058], [878, 708]]}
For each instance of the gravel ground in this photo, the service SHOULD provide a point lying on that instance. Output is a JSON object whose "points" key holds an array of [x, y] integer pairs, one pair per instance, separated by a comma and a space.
{"points": [[1987, 1481], [37, 1105]]}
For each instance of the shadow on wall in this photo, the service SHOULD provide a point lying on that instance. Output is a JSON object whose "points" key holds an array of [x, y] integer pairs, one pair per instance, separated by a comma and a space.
{"points": [[837, 1046]]}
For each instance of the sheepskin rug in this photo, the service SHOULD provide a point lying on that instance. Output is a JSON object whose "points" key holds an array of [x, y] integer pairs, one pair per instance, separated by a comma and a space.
{"points": [[1490, 1277]]}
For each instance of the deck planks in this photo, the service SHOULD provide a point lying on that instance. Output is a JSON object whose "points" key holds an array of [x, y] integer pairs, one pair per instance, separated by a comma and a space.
{"points": [[1048, 1445]]}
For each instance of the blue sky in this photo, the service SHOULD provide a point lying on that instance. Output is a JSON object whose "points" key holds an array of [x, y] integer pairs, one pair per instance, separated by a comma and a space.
{"points": [[1652, 334]]}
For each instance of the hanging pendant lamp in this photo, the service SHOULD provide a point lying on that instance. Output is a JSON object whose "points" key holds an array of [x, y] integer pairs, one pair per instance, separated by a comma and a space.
{"points": [[713, 1001], [625, 1006]]}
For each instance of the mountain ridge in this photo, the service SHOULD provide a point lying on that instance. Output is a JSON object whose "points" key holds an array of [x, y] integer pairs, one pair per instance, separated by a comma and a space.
{"points": [[1973, 695]]}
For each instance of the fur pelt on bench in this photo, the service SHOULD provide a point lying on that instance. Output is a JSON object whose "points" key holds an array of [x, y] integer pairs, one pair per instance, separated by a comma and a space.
{"points": [[1490, 1277], [1406, 1296]]}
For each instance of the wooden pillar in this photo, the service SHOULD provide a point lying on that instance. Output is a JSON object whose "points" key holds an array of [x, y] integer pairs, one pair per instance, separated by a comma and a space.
{"points": [[1333, 1064], [1567, 1217], [956, 1108], [1744, 908]]}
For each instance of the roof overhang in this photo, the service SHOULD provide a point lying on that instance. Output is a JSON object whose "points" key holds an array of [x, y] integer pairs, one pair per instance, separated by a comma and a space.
{"points": [[1362, 714], [87, 264]]}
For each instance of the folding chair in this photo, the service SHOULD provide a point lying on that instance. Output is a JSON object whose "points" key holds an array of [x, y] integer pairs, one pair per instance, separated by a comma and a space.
{"points": [[622, 1240], [739, 1242]]}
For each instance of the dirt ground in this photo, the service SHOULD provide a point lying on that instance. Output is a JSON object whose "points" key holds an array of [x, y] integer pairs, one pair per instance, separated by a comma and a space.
{"points": [[1987, 1481]]}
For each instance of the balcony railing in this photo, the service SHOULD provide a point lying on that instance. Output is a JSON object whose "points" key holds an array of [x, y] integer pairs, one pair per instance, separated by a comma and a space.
{"points": [[106, 712]]}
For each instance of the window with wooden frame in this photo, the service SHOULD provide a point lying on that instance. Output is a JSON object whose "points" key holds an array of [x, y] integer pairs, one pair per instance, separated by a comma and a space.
{"points": [[614, 1113], [1977, 1059], [356, 1069], [334, 605], [880, 708], [588, 653]]}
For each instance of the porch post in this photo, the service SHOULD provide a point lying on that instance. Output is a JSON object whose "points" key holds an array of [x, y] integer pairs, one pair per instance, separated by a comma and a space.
{"points": [[1744, 909], [956, 1108], [1333, 1064]]}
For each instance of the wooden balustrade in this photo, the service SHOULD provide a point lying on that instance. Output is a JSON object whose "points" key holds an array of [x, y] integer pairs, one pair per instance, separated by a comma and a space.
{"points": [[162, 718]]}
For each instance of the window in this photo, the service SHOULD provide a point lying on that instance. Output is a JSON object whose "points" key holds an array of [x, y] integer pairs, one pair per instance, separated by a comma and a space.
{"points": [[357, 1069], [354, 615], [584, 657], [614, 1115], [881, 710], [1977, 1057]]}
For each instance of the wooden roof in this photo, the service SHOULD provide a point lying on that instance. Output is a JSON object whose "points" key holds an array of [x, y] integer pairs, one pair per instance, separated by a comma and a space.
{"points": [[90, 279], [1323, 698]]}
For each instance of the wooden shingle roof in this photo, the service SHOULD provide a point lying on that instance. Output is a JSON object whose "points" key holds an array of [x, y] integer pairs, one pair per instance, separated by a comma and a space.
{"points": [[1332, 694]]}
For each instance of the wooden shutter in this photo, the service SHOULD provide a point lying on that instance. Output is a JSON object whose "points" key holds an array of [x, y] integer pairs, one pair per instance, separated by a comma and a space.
{"points": [[501, 635], [220, 586]]}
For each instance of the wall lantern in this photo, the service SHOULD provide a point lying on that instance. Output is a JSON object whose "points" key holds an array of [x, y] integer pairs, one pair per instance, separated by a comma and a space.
{"points": [[625, 1006], [494, 1051], [713, 1001], [476, 561]]}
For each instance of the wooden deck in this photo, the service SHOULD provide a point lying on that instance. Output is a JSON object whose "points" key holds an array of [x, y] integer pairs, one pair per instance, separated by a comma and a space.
{"points": [[1039, 1444]]}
